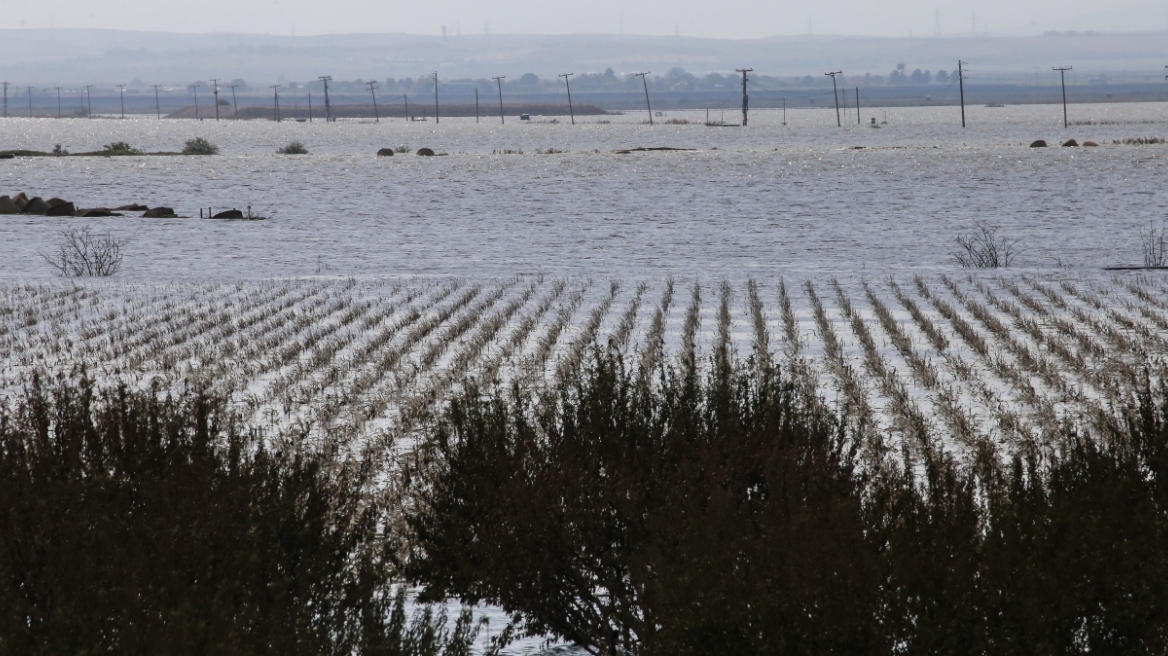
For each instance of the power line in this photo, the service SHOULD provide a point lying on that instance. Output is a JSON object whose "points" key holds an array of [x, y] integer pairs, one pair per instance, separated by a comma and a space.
{"points": [[276, 99], [1063, 75], [215, 88], [835, 92], [646, 85], [499, 81], [745, 98], [157, 105], [570, 111], [328, 108], [372, 86]]}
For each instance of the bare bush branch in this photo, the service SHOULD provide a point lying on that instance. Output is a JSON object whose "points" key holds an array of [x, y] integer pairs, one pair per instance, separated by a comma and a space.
{"points": [[84, 253], [984, 249], [1153, 240]]}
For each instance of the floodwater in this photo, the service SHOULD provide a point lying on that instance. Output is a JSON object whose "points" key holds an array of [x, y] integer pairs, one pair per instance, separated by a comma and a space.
{"points": [[804, 198]]}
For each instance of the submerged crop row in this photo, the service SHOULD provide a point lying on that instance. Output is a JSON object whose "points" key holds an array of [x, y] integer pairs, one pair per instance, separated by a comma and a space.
{"points": [[976, 359]]}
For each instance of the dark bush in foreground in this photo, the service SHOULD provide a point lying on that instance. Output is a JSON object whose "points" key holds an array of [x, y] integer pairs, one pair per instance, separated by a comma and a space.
{"points": [[199, 146], [728, 515], [134, 525]]}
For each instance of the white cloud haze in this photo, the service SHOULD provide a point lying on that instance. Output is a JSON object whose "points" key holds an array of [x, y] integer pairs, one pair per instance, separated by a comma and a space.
{"points": [[736, 19]]}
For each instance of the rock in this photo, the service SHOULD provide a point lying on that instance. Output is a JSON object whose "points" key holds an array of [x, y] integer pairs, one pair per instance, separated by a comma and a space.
{"points": [[1070, 143], [36, 205], [132, 207], [229, 214], [159, 213], [96, 211], [1090, 144], [1038, 144], [386, 152], [7, 206], [425, 152], [21, 200], [61, 209], [53, 202]]}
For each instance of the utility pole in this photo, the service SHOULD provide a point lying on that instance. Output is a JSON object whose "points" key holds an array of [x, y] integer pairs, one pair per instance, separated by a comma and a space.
{"points": [[499, 81], [373, 85], [195, 89], [328, 108], [406, 97], [58, 102], [835, 92], [476, 104], [234, 102], [5, 99], [309, 106], [215, 88], [89, 100], [961, 85], [435, 97], [571, 112], [858, 106], [784, 111], [646, 85], [745, 98], [1063, 74], [30, 101], [157, 105], [122, 96], [276, 99]]}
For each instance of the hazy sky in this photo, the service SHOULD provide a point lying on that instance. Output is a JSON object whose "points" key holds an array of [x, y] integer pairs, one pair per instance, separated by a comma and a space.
{"points": [[707, 18]]}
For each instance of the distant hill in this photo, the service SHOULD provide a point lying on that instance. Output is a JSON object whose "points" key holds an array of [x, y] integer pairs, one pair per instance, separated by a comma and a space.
{"points": [[76, 57]]}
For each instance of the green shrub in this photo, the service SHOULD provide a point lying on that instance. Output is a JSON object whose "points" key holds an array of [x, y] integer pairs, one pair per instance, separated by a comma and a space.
{"points": [[293, 148], [119, 148], [199, 146], [143, 523]]}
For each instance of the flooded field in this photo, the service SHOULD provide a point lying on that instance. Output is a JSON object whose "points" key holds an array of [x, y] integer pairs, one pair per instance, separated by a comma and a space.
{"points": [[802, 198]]}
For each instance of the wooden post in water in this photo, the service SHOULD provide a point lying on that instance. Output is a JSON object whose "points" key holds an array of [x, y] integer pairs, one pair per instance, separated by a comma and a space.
{"points": [[570, 111], [372, 86], [157, 106], [499, 81], [1063, 74], [745, 98], [309, 106], [835, 92], [646, 85], [436, 97], [407, 99], [276, 100], [961, 86], [476, 104], [857, 105]]}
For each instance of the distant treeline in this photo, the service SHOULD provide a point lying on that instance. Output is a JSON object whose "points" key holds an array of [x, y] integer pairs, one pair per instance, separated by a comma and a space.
{"points": [[392, 108]]}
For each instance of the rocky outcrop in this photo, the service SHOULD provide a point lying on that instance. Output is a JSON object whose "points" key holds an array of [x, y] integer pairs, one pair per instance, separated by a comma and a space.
{"points": [[425, 152], [1070, 143], [1090, 144], [96, 212], [63, 208], [20, 200], [7, 206], [159, 213], [229, 214], [36, 205], [1038, 144], [132, 207], [385, 152]]}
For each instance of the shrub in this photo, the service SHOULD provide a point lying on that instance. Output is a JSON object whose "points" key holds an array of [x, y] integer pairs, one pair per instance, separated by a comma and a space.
{"points": [[59, 150], [293, 148], [151, 523], [199, 146], [729, 513], [401, 149], [984, 249], [119, 148], [84, 253]]}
